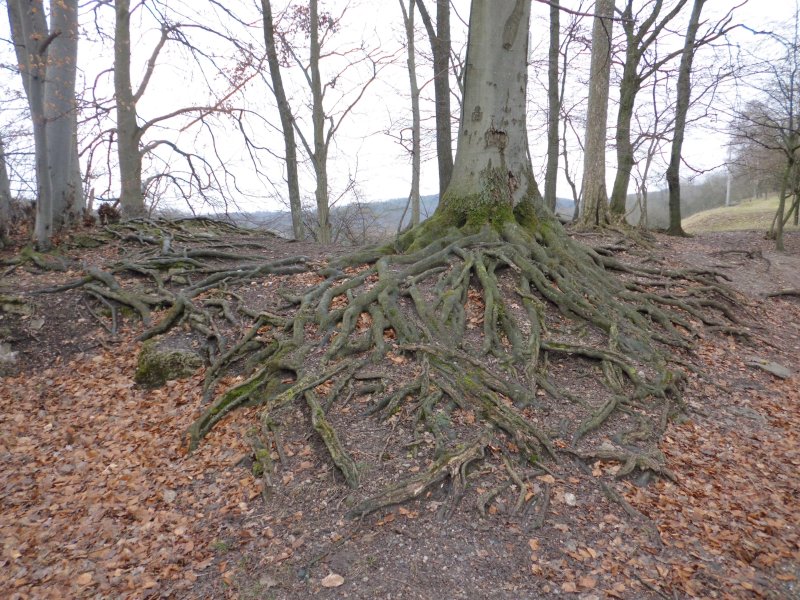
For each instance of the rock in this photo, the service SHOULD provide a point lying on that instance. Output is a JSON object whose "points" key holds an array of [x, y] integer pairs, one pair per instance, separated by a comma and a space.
{"points": [[159, 363], [769, 367], [6, 355]]}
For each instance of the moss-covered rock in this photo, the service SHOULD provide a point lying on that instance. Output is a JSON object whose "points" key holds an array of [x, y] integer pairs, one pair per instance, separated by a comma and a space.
{"points": [[159, 363]]}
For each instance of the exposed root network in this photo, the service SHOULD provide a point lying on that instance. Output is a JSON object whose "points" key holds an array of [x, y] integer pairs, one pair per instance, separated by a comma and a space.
{"points": [[459, 342]]}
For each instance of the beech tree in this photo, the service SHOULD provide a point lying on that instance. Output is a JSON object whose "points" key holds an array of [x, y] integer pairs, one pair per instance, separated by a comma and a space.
{"points": [[47, 54], [468, 296], [416, 136], [5, 197], [287, 120], [594, 201], [439, 36]]}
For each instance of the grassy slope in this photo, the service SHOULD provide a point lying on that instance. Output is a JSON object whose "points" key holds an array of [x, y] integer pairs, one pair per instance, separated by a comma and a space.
{"points": [[748, 214]]}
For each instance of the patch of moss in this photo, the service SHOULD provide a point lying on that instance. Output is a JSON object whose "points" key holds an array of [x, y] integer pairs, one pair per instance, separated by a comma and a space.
{"points": [[157, 365]]}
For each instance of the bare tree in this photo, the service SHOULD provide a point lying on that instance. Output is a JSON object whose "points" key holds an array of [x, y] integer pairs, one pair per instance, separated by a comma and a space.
{"points": [[553, 108], [441, 47], [5, 197], [287, 120], [681, 110], [416, 143], [594, 206]]}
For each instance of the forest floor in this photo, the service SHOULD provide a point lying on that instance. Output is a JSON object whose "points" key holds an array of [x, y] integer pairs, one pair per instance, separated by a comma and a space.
{"points": [[100, 499]]}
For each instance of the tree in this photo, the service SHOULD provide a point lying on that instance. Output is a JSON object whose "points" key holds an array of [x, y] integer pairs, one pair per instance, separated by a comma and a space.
{"points": [[492, 259], [5, 197], [640, 36], [287, 120], [48, 63], [440, 45], [681, 109], [327, 116], [594, 206], [416, 141], [553, 108]]}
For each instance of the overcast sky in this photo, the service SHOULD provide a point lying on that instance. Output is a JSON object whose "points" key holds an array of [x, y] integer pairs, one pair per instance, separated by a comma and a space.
{"points": [[366, 147]]}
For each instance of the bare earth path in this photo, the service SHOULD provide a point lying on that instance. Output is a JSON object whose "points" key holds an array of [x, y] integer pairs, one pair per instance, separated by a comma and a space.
{"points": [[98, 498]]}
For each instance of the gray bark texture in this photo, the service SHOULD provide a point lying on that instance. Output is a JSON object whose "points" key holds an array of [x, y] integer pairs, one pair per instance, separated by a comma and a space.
{"points": [[61, 113], [594, 208], [440, 47], [639, 37], [28, 17], [493, 166], [416, 136], [128, 131], [5, 197], [553, 109], [681, 110], [287, 120], [319, 157]]}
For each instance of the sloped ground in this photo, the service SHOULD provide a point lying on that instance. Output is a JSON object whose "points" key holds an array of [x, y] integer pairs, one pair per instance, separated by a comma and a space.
{"points": [[745, 216], [98, 497]]}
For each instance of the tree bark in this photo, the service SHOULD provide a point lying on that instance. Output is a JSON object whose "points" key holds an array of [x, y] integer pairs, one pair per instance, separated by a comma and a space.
{"points": [[30, 19], [681, 110], [492, 175], [61, 112], [416, 143], [594, 206], [553, 109], [5, 198], [440, 46], [128, 131], [287, 120], [320, 156]]}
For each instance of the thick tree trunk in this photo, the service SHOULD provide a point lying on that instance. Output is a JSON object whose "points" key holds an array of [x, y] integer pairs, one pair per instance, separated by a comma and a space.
{"points": [[287, 120], [440, 47], [629, 87], [594, 207], [553, 109], [34, 35], [61, 112], [681, 110], [320, 158], [416, 143], [128, 131], [492, 175]]}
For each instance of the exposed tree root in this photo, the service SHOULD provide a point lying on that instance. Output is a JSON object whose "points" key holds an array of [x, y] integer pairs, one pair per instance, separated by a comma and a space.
{"points": [[467, 328]]}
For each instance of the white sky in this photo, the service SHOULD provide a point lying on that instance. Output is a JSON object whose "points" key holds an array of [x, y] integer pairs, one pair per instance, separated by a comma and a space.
{"points": [[361, 147]]}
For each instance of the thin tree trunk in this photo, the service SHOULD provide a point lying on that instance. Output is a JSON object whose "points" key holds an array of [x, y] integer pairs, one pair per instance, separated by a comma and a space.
{"points": [[61, 111], [320, 158], [440, 46], [681, 110], [553, 109], [128, 131], [5, 198], [408, 19], [287, 120], [594, 206]]}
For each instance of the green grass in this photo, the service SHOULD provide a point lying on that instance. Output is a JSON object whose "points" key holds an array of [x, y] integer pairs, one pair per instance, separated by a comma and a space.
{"points": [[748, 214]]}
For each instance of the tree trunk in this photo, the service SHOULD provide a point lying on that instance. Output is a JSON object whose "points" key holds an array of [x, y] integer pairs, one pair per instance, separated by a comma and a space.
{"points": [[681, 110], [34, 35], [492, 175], [594, 206], [440, 46], [287, 120], [128, 131], [5, 198], [320, 158], [61, 111], [629, 87], [408, 20], [553, 109]]}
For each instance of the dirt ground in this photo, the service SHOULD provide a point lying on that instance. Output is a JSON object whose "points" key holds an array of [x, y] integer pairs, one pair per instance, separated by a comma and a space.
{"points": [[99, 498]]}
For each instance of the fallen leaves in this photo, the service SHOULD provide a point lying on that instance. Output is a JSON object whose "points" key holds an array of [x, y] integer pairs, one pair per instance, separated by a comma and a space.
{"points": [[333, 580]]}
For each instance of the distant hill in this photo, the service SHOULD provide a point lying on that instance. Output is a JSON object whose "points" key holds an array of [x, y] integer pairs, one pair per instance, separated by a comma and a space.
{"points": [[380, 217]]}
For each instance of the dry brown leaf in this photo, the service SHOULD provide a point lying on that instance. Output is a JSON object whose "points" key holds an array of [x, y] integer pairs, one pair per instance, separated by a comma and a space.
{"points": [[332, 580]]}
